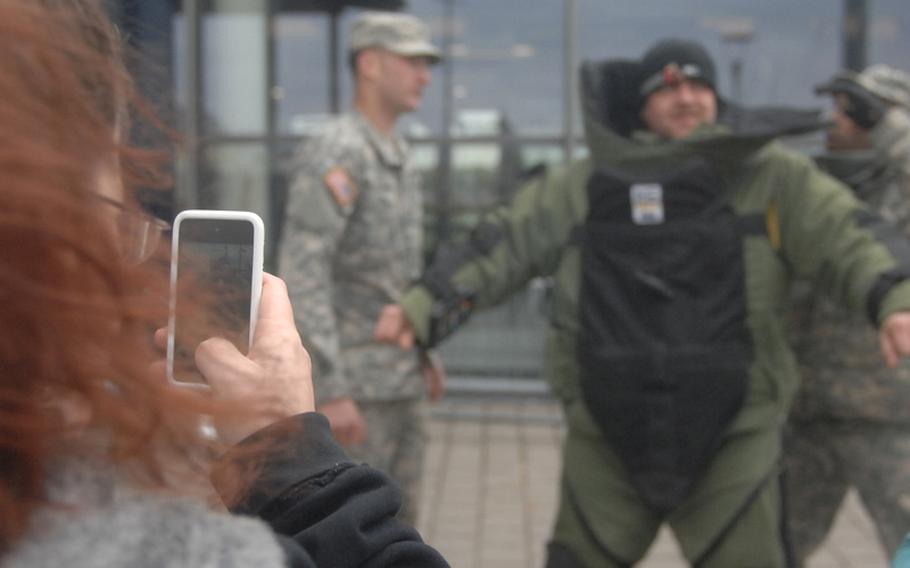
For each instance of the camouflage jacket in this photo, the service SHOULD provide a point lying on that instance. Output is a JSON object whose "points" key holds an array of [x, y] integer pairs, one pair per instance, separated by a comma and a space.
{"points": [[351, 244], [844, 375]]}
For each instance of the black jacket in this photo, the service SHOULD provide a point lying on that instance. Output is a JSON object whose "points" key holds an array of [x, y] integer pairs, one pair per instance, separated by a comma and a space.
{"points": [[325, 510]]}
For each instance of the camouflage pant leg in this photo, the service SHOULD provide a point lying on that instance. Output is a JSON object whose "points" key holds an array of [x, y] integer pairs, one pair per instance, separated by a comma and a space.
{"points": [[815, 485], [395, 444], [824, 458]]}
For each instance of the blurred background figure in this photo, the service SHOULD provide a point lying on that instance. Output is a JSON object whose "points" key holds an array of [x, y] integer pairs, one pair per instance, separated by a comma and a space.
{"points": [[103, 460], [868, 141], [850, 425], [352, 243]]}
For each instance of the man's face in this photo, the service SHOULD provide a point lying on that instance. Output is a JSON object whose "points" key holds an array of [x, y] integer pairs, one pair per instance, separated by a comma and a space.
{"points": [[844, 135], [401, 80], [675, 111]]}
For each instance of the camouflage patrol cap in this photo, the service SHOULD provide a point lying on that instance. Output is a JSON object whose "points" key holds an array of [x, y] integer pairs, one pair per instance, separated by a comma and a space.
{"points": [[393, 31], [887, 83]]}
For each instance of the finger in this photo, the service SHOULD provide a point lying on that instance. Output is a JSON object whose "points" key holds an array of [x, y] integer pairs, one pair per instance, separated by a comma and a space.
{"points": [[275, 327], [160, 338], [275, 304], [888, 350], [406, 339], [441, 375], [901, 339], [158, 372], [380, 330], [358, 432], [431, 377], [223, 366], [433, 393], [387, 326], [341, 435], [348, 435], [440, 387]]}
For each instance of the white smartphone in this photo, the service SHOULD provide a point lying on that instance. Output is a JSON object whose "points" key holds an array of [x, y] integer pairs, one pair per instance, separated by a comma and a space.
{"points": [[216, 282]]}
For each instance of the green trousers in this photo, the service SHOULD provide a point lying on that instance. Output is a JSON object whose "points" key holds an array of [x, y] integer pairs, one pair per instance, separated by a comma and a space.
{"points": [[730, 518]]}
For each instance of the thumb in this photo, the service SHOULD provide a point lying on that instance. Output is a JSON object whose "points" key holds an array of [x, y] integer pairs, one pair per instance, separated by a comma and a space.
{"points": [[387, 326], [274, 303], [221, 363], [889, 351], [393, 327]]}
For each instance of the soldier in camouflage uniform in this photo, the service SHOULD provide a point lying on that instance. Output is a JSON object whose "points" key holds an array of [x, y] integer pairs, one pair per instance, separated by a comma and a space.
{"points": [[352, 243], [851, 423]]}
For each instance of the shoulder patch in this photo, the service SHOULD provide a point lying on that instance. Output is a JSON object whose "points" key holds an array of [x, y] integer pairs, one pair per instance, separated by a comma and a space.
{"points": [[341, 186]]}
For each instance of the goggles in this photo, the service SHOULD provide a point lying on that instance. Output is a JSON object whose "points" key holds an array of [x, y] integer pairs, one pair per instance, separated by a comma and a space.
{"points": [[670, 76]]}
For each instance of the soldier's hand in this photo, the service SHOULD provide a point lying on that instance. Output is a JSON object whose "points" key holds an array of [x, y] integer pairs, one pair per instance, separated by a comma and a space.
{"points": [[434, 375], [348, 425], [394, 328], [894, 338]]}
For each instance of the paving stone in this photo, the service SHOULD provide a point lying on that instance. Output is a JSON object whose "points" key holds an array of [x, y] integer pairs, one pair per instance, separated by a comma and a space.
{"points": [[491, 493]]}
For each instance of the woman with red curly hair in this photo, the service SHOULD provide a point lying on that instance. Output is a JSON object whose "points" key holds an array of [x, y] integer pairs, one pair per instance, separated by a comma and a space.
{"points": [[102, 462]]}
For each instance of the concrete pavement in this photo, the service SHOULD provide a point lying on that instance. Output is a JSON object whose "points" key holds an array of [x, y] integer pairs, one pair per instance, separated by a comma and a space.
{"points": [[489, 493]]}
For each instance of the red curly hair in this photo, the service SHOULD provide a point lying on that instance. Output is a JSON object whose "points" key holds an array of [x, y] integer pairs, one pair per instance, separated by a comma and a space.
{"points": [[76, 319]]}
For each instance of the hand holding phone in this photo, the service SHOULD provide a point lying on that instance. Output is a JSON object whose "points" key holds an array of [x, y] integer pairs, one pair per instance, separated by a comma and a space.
{"points": [[216, 282], [274, 381]]}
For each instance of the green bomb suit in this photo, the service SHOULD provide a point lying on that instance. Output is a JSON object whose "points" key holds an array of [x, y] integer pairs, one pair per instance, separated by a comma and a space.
{"points": [[804, 224]]}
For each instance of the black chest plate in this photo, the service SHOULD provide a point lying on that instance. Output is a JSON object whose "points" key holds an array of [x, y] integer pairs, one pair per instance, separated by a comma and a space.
{"points": [[664, 348]]}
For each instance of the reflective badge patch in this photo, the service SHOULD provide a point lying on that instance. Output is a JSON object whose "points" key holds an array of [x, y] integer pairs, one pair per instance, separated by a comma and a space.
{"points": [[341, 186], [647, 201]]}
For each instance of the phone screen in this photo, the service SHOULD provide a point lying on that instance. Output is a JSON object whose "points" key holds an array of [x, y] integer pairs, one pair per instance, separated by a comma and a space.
{"points": [[214, 288]]}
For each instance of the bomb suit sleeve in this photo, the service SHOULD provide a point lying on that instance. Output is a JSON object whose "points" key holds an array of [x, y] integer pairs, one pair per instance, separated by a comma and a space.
{"points": [[511, 245], [851, 252]]}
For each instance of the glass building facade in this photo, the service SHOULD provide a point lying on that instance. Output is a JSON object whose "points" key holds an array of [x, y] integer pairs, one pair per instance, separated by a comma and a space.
{"points": [[250, 79]]}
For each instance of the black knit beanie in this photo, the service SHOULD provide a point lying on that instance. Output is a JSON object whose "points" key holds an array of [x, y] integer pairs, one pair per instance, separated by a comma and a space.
{"points": [[672, 59]]}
